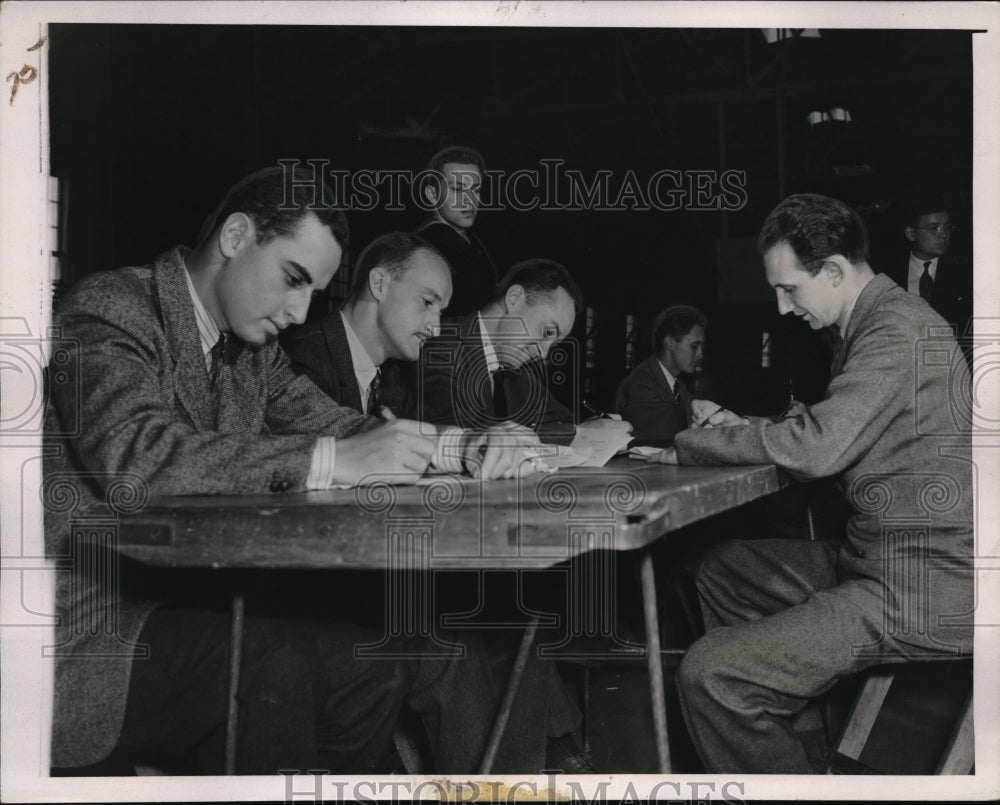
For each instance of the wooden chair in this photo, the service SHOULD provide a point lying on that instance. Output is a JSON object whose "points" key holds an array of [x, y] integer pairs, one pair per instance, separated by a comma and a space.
{"points": [[957, 758]]}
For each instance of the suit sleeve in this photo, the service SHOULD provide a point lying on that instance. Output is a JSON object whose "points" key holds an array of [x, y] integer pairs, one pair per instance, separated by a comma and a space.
{"points": [[557, 425], [875, 386], [121, 385], [435, 394], [652, 415]]}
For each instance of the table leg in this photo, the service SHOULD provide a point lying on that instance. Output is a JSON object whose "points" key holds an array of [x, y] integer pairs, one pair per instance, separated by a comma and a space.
{"points": [[655, 661], [235, 657], [520, 662]]}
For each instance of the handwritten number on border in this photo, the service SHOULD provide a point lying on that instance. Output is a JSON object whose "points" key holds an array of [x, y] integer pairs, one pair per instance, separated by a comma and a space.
{"points": [[26, 75]]}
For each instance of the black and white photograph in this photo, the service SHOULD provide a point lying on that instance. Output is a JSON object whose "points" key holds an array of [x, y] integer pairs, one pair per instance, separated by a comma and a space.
{"points": [[490, 401]]}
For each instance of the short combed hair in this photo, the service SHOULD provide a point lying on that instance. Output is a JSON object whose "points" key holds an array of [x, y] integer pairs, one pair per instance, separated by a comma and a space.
{"points": [[390, 251], [539, 276], [676, 321], [276, 199], [923, 204], [816, 228], [460, 154]]}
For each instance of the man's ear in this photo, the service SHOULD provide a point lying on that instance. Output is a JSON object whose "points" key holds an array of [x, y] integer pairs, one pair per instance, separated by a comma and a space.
{"points": [[515, 298], [236, 233], [911, 234], [834, 268], [431, 193], [378, 280]]}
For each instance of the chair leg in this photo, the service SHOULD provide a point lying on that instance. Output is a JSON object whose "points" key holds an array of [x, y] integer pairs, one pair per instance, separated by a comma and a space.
{"points": [[862, 718], [960, 756]]}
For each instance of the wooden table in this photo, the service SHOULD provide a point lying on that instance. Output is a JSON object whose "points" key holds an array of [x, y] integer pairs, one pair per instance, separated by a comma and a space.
{"points": [[446, 523]]}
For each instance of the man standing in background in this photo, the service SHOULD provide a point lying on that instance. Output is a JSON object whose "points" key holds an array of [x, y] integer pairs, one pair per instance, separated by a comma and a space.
{"points": [[454, 191]]}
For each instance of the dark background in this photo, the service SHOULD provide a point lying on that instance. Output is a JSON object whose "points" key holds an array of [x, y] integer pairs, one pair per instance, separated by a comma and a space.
{"points": [[151, 124]]}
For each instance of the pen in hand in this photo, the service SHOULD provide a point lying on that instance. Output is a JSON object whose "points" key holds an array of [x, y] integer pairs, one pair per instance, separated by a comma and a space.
{"points": [[705, 419]]}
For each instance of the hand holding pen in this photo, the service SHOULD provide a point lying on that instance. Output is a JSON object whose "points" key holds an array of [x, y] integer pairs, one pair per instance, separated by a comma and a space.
{"points": [[707, 414]]}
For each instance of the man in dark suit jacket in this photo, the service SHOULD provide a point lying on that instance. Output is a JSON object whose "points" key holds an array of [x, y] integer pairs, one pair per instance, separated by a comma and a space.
{"points": [[931, 270], [787, 618], [398, 290], [452, 187], [488, 367], [362, 355], [358, 353], [653, 397], [179, 387]]}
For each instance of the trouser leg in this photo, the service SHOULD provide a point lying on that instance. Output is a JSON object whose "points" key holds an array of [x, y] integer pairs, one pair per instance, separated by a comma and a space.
{"points": [[458, 700], [177, 700], [364, 699], [790, 636]]}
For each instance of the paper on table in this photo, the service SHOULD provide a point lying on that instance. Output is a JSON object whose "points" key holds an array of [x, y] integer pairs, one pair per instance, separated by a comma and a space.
{"points": [[556, 456], [599, 439]]}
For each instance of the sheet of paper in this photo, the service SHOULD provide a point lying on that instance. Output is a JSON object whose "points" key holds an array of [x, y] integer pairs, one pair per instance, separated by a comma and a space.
{"points": [[600, 439]]}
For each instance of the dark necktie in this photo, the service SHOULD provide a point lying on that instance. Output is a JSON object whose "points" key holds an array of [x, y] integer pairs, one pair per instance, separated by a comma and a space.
{"points": [[926, 282], [374, 407], [500, 378], [679, 402], [217, 354]]}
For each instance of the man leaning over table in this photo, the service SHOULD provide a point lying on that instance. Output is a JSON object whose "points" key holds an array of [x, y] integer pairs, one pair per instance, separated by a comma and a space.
{"points": [[487, 367], [179, 387], [787, 618], [399, 288]]}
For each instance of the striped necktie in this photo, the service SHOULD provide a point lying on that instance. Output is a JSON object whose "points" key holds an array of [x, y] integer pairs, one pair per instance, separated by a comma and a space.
{"points": [[374, 406]]}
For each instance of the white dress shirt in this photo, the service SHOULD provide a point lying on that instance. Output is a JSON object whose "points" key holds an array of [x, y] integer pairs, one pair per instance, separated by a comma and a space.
{"points": [[916, 270]]}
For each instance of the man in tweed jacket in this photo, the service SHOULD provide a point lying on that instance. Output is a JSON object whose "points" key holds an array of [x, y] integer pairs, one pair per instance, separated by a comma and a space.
{"points": [[180, 388], [786, 618]]}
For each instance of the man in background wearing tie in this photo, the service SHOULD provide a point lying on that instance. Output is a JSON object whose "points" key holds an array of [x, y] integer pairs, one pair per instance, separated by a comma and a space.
{"points": [[934, 275], [653, 397]]}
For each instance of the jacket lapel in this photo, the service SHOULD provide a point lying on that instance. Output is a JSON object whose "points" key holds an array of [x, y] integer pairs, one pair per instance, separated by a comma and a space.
{"points": [[655, 371], [191, 385], [867, 300], [474, 362], [339, 350], [240, 405]]}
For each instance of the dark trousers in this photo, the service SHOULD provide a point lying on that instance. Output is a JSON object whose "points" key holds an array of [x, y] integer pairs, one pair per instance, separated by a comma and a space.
{"points": [[781, 630], [307, 702]]}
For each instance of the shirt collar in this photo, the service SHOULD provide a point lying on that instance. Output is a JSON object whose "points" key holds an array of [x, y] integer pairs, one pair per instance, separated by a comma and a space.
{"points": [[208, 330], [364, 367], [492, 361], [917, 265], [666, 373], [850, 311]]}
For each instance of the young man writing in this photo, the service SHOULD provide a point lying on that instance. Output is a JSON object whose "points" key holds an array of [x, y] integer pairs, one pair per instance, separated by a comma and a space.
{"points": [[787, 618], [179, 387]]}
